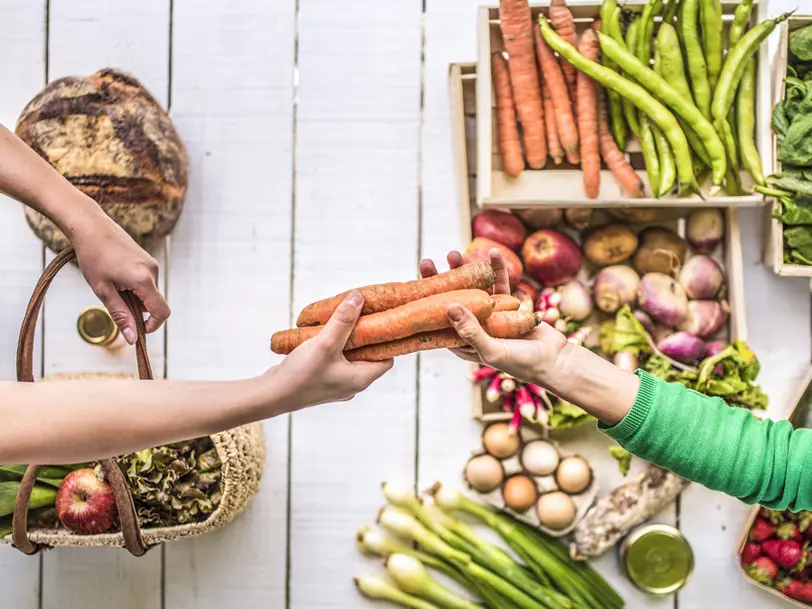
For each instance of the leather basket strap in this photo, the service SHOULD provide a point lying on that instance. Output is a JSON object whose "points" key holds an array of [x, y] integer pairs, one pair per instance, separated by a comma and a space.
{"points": [[133, 540]]}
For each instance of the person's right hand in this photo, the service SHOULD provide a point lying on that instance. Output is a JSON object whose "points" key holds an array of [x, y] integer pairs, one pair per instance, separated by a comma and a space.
{"points": [[317, 371]]}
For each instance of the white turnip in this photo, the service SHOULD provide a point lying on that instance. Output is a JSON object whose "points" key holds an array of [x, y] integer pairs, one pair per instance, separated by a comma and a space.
{"points": [[663, 298], [682, 346], [576, 303], [702, 277], [705, 229], [614, 287], [705, 317]]}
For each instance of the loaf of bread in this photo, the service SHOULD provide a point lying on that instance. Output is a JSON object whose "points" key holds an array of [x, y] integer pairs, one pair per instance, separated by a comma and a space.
{"points": [[109, 137]]}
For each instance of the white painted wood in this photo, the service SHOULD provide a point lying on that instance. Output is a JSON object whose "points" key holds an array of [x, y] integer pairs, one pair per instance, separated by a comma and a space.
{"points": [[84, 37], [22, 36], [229, 283], [357, 137]]}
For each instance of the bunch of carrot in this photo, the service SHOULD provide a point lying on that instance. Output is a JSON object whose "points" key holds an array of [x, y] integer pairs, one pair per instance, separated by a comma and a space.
{"points": [[557, 106], [406, 317]]}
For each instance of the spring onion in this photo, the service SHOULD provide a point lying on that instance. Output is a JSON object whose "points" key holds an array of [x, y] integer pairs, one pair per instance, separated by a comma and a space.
{"points": [[411, 577], [376, 588]]}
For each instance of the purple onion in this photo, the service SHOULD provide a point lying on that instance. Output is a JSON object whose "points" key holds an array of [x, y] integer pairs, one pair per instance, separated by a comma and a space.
{"points": [[614, 287], [714, 347], [663, 298], [702, 277], [682, 346], [645, 320], [575, 301], [704, 230], [625, 360], [705, 317]]}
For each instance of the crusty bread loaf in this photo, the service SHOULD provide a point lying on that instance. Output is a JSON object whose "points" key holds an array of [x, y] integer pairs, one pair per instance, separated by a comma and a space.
{"points": [[109, 137]]}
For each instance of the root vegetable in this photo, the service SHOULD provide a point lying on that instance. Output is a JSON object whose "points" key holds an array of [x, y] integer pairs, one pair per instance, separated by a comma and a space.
{"points": [[610, 244], [576, 303], [541, 218], [644, 319], [713, 347], [424, 315], [385, 296], [701, 277], [552, 257], [504, 302], [626, 360], [478, 251], [507, 129], [553, 79], [587, 110], [682, 346], [554, 147], [661, 332], [624, 173], [614, 287], [564, 24], [579, 218], [502, 227], [635, 215], [661, 251], [663, 298], [705, 317], [705, 229]]}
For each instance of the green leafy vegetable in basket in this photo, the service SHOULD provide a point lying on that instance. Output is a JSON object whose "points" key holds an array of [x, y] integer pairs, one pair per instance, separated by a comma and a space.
{"points": [[800, 43]]}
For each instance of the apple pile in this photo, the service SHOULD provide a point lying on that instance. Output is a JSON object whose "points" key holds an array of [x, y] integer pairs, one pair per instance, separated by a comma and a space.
{"points": [[778, 552]]}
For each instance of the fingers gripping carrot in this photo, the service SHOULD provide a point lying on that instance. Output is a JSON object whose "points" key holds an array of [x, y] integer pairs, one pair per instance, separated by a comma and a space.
{"points": [[517, 34], [505, 302], [564, 24], [624, 173], [588, 119], [382, 297], [510, 324], [424, 315], [507, 129]]}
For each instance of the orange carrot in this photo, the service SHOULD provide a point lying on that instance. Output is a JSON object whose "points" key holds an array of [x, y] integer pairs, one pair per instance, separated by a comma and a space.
{"points": [[505, 302], [381, 297], [517, 35], [507, 129], [559, 94], [624, 173], [588, 118], [509, 324], [564, 24], [554, 147], [424, 315]]}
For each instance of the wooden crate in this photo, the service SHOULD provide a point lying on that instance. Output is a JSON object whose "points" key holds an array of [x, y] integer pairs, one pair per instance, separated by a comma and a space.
{"points": [[799, 411], [463, 82], [774, 241], [562, 185]]}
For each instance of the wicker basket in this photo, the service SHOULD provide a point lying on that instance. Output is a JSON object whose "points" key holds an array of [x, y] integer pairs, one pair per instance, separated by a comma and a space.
{"points": [[241, 452]]}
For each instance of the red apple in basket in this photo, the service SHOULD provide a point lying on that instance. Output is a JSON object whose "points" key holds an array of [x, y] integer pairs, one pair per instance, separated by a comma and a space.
{"points": [[502, 227], [552, 257], [478, 249], [85, 504]]}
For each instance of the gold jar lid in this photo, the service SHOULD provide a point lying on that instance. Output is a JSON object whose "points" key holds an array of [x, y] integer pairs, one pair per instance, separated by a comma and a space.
{"points": [[96, 327], [657, 559]]}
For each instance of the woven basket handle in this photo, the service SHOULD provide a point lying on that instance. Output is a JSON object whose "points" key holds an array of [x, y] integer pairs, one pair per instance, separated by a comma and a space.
{"points": [[133, 540]]}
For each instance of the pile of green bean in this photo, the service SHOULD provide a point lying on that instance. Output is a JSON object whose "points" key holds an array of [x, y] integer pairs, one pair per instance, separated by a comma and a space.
{"points": [[688, 100]]}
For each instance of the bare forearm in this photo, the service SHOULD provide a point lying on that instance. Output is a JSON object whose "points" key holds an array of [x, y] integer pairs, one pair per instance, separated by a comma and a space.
{"points": [[83, 420]]}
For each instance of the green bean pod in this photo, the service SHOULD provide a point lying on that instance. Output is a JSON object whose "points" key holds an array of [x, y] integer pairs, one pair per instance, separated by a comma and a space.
{"points": [[617, 122], [670, 13], [736, 62], [646, 34], [740, 20], [629, 111], [745, 123], [668, 168], [648, 147], [695, 57], [710, 12], [664, 92], [633, 92]]}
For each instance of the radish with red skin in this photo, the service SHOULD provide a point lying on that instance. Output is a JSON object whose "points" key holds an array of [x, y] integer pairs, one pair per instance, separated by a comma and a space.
{"points": [[683, 347], [615, 286], [479, 251], [705, 229], [576, 304], [701, 277], [494, 389], [663, 298], [502, 227], [705, 317], [483, 373], [750, 552], [551, 257], [507, 402]]}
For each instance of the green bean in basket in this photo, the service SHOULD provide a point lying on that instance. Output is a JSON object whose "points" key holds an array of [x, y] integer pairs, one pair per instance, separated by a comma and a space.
{"points": [[646, 34], [710, 13], [663, 91], [616, 119], [745, 123], [629, 112], [737, 27], [668, 170], [695, 56], [644, 102]]}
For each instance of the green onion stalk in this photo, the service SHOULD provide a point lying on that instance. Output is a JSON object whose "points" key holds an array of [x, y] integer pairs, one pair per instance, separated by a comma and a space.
{"points": [[376, 588], [412, 578]]}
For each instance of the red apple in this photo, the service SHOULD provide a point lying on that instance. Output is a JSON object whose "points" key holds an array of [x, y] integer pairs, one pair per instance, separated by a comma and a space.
{"points": [[502, 227], [85, 504], [478, 251], [552, 257]]}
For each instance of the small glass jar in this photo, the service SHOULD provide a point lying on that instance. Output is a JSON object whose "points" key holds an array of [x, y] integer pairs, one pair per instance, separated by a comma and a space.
{"points": [[96, 327], [657, 559]]}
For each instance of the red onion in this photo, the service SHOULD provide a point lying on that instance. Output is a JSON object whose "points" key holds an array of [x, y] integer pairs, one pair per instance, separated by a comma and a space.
{"points": [[645, 320], [705, 317], [714, 347], [704, 230], [575, 301], [702, 277], [662, 298], [682, 346], [626, 360], [615, 286]]}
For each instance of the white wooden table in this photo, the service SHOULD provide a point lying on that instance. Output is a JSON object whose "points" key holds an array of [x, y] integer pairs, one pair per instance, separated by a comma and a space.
{"points": [[320, 153]]}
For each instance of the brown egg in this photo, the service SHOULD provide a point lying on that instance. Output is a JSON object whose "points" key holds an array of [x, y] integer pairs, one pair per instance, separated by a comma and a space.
{"points": [[573, 475], [500, 441], [484, 473], [556, 510], [520, 493]]}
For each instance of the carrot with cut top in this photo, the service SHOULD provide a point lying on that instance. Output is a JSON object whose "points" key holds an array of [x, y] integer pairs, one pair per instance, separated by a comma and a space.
{"points": [[424, 315], [516, 24], [588, 118], [564, 24], [624, 173], [556, 87], [505, 302], [385, 296], [507, 129]]}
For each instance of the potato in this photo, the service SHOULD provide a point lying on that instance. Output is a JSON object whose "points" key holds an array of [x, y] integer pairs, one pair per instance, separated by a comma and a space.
{"points": [[540, 218], [635, 215], [610, 244], [579, 218], [661, 251]]}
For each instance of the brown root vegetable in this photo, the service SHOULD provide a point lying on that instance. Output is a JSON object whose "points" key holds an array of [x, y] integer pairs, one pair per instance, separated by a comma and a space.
{"points": [[635, 215], [540, 218], [610, 244], [505, 302], [661, 251], [579, 218], [507, 128]]}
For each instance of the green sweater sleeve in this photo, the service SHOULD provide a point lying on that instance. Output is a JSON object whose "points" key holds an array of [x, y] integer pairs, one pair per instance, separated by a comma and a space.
{"points": [[726, 449]]}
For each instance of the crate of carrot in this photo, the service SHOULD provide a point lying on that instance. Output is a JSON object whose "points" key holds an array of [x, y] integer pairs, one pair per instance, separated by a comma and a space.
{"points": [[651, 104], [407, 317]]}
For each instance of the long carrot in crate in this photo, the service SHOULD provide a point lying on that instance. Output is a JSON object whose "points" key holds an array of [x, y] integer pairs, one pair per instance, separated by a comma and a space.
{"points": [[564, 24], [507, 324], [587, 107], [555, 84], [424, 315], [507, 129], [624, 173], [517, 26], [384, 296], [554, 147]]}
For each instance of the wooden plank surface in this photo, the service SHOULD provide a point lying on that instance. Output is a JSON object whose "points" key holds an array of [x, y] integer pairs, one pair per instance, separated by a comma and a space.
{"points": [[357, 130], [85, 36], [22, 36], [230, 265]]}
